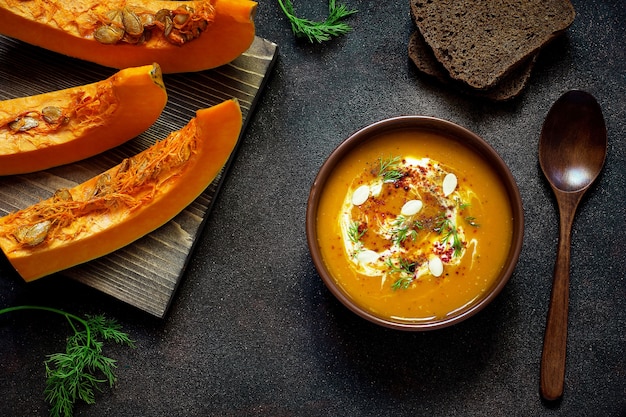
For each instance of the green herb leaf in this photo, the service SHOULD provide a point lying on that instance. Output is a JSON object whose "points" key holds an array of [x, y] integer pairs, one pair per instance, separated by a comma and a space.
{"points": [[354, 234], [448, 229], [403, 228], [404, 269], [318, 31], [78, 372], [387, 171]]}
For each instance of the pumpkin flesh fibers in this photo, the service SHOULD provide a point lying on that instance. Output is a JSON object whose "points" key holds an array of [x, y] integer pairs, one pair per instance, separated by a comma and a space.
{"points": [[69, 27], [125, 202], [86, 120]]}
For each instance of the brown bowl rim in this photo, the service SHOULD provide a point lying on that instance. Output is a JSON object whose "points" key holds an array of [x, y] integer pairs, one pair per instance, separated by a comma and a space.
{"points": [[455, 132]]}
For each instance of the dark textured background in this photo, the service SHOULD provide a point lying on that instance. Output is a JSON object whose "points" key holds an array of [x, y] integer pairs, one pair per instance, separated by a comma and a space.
{"points": [[254, 332]]}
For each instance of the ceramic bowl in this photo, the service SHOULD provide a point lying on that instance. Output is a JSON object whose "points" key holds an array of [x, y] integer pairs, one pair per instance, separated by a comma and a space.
{"points": [[456, 133]]}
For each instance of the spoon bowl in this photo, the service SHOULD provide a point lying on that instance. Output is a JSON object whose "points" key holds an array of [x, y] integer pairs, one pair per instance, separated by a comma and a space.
{"points": [[572, 150], [573, 142]]}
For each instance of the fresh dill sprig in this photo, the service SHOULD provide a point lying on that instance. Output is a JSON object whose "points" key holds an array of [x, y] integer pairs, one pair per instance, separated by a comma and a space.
{"points": [[405, 270], [448, 229], [78, 372], [318, 31], [403, 229], [471, 220], [388, 171], [354, 232]]}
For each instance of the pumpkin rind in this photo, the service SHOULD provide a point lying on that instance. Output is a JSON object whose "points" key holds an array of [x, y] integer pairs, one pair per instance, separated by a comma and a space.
{"points": [[97, 117], [124, 203], [68, 28]]}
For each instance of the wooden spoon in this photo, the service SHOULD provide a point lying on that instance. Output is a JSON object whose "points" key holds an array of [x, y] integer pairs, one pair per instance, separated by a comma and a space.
{"points": [[572, 150]]}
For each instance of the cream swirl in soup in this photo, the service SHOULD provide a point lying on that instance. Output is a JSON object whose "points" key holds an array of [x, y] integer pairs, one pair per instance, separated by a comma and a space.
{"points": [[403, 218], [413, 225]]}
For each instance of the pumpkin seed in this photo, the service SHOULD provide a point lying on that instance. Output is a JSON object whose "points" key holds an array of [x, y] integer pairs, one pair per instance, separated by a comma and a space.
{"points": [[115, 18], [168, 26], [449, 184], [411, 207], [108, 35], [52, 114], [22, 124], [62, 194], [161, 15], [132, 23], [34, 235], [181, 25], [435, 266], [367, 256], [185, 152], [102, 185], [181, 16], [360, 195], [147, 20]]}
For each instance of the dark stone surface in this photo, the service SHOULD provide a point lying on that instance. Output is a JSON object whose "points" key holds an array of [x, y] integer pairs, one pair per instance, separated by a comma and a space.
{"points": [[254, 332]]}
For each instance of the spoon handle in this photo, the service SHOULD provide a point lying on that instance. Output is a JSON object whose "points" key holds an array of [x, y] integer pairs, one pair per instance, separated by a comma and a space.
{"points": [[555, 338]]}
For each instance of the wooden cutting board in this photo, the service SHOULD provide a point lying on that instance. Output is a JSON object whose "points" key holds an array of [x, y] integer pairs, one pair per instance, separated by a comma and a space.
{"points": [[146, 273]]}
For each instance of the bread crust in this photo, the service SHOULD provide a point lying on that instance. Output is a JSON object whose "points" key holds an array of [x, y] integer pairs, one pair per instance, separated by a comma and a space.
{"points": [[479, 42], [509, 87]]}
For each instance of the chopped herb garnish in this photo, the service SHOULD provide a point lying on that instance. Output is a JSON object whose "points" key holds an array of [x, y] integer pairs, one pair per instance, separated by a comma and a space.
{"points": [[388, 169], [405, 269], [403, 228], [469, 219], [402, 283], [449, 231], [355, 233]]}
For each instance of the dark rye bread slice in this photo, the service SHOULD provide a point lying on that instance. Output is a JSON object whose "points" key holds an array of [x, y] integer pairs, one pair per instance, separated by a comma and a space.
{"points": [[508, 88], [480, 41]]}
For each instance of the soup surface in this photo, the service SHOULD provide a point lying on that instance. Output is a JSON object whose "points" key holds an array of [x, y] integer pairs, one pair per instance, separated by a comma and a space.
{"points": [[414, 226]]}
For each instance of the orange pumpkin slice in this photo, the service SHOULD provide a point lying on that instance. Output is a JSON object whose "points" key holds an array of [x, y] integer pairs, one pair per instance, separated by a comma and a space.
{"points": [[123, 203], [182, 36], [59, 127]]}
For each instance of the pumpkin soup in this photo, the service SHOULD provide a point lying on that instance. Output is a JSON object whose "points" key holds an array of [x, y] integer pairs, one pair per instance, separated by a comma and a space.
{"points": [[414, 226]]}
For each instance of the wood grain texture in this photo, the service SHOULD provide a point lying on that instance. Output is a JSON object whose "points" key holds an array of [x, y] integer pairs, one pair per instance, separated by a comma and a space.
{"points": [[146, 273]]}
